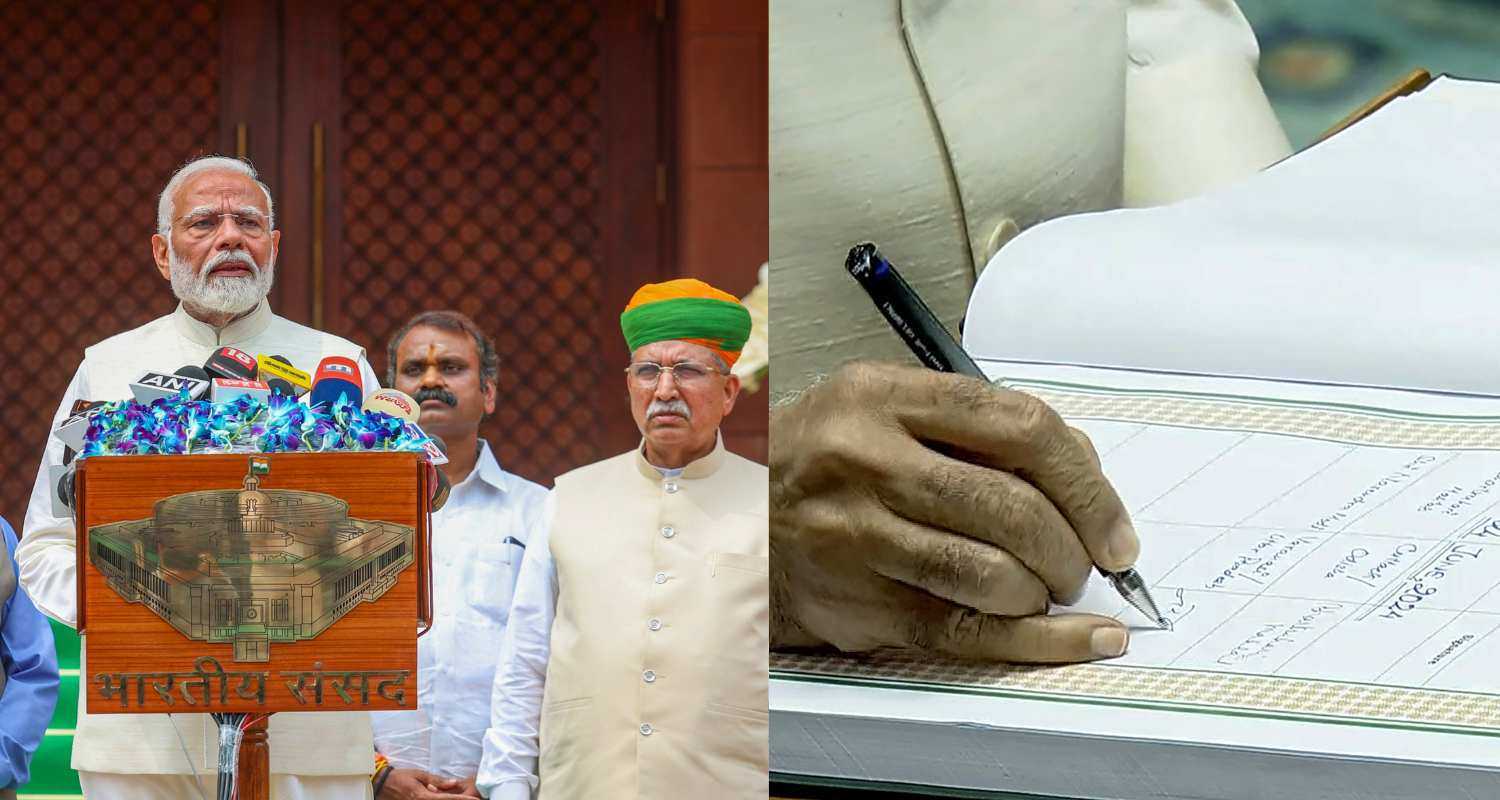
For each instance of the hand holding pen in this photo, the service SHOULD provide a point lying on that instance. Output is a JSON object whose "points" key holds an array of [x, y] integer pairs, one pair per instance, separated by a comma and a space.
{"points": [[921, 509], [931, 343]]}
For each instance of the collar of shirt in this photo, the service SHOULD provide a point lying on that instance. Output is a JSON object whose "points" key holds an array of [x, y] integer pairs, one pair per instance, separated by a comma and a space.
{"points": [[486, 470], [242, 329], [702, 468]]}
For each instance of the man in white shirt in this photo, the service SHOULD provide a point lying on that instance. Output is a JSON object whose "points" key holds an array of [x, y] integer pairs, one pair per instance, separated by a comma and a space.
{"points": [[216, 242], [448, 365], [634, 663]]}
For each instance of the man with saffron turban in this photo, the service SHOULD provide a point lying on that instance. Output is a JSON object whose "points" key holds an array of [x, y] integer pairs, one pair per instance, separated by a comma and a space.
{"points": [[634, 663]]}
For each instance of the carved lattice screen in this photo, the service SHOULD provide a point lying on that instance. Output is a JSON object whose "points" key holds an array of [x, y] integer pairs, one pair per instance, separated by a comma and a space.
{"points": [[98, 104], [472, 156]]}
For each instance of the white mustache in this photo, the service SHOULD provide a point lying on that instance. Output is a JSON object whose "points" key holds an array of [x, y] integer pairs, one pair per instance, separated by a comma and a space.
{"points": [[678, 407], [226, 256], [196, 287]]}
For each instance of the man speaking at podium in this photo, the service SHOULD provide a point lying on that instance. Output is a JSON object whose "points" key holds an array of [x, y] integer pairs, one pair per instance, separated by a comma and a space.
{"points": [[634, 662], [216, 242]]}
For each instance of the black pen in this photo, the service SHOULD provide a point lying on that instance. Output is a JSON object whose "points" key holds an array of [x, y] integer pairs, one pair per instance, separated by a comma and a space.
{"points": [[936, 349]]}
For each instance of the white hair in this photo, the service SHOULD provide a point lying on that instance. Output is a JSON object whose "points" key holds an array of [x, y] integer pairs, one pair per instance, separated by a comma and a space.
{"points": [[164, 210]]}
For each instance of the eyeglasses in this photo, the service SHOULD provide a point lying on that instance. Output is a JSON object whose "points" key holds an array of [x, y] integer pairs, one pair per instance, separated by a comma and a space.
{"points": [[647, 374], [201, 226]]}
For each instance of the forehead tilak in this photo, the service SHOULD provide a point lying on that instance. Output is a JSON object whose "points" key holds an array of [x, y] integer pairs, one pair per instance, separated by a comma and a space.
{"points": [[436, 347]]}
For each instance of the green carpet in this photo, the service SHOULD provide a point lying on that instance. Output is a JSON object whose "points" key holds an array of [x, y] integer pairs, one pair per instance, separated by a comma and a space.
{"points": [[51, 777]]}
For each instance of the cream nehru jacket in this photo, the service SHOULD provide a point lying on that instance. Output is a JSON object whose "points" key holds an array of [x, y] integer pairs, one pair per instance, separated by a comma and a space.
{"points": [[656, 686], [332, 743], [941, 128]]}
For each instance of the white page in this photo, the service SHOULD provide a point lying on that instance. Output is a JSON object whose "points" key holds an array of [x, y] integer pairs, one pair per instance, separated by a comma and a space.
{"points": [[1371, 259]]}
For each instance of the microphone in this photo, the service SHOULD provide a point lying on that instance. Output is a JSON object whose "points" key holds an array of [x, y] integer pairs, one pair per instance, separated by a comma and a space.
{"points": [[65, 486], [441, 489], [281, 376], [227, 390], [61, 479], [159, 385], [228, 362], [194, 372], [72, 429], [336, 377], [394, 402]]}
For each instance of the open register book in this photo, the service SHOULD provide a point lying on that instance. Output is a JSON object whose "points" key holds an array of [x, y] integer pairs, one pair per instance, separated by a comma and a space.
{"points": [[1294, 384]]}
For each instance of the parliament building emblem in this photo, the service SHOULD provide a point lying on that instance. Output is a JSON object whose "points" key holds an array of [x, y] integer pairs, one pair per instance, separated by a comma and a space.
{"points": [[252, 566]]}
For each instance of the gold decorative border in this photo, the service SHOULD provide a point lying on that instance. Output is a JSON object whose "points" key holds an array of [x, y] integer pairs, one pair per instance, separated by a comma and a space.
{"points": [[1366, 427], [1215, 692], [1168, 688]]}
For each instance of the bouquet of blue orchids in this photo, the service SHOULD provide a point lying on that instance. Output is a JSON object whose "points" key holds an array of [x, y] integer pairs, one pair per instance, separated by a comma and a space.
{"points": [[280, 424]]}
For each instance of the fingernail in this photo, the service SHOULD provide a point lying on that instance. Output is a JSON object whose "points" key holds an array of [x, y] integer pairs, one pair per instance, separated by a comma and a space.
{"points": [[1109, 641], [1122, 546]]}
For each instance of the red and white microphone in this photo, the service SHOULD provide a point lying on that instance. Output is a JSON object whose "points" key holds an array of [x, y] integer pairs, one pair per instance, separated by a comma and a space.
{"points": [[231, 363]]}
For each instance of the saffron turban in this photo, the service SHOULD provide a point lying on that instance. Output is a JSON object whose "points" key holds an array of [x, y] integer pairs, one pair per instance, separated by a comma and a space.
{"points": [[687, 310]]}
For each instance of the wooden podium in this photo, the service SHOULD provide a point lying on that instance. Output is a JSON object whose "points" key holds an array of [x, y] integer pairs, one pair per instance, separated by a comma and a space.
{"points": [[252, 583]]}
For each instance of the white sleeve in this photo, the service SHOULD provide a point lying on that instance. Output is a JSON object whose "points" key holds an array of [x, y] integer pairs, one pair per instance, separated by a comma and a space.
{"points": [[1196, 116], [48, 554], [367, 375], [508, 768]]}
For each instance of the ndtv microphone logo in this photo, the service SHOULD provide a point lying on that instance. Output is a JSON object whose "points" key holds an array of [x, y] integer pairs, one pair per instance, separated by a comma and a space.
{"points": [[344, 369]]}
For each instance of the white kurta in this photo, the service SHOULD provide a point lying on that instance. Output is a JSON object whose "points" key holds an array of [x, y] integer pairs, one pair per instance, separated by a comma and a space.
{"points": [[478, 538], [940, 129], [325, 744], [635, 658]]}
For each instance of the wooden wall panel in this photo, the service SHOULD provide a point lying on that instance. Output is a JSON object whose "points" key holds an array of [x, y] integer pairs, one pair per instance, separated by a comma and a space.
{"points": [[473, 149], [98, 105], [722, 184]]}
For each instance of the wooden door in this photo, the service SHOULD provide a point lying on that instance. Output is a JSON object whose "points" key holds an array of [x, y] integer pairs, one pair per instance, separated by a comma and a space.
{"points": [[496, 158]]}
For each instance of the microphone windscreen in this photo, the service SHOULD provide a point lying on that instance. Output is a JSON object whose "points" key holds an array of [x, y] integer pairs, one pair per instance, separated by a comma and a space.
{"points": [[394, 402], [195, 372], [231, 363], [336, 377], [281, 387], [273, 368]]}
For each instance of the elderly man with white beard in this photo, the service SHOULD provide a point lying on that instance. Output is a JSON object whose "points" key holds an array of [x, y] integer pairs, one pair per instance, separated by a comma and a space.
{"points": [[216, 242]]}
